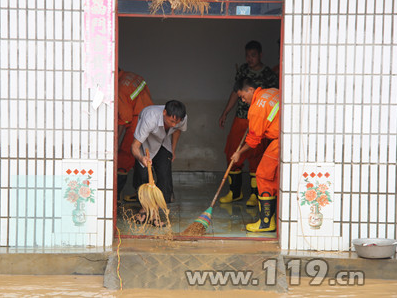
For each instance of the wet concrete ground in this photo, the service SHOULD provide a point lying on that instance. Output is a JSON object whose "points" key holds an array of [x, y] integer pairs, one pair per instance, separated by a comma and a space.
{"points": [[83, 286]]}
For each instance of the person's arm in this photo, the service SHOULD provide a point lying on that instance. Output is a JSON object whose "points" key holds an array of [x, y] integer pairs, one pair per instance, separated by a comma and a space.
{"points": [[236, 156], [175, 138], [230, 104], [135, 149]]}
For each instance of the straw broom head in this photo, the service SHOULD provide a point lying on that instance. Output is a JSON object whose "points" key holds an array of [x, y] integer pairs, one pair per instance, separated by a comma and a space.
{"points": [[200, 225], [150, 196]]}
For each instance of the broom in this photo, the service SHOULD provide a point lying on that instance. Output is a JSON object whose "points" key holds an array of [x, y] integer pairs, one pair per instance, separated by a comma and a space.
{"points": [[151, 197], [199, 226]]}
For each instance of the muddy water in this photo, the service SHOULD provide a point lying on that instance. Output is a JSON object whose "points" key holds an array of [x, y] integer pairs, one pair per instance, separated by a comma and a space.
{"points": [[20, 286]]}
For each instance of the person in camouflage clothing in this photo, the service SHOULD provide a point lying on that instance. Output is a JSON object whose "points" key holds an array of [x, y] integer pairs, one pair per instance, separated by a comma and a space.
{"points": [[264, 77]]}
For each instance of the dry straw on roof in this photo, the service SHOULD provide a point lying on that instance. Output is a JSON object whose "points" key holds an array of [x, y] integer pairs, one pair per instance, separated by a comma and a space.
{"points": [[183, 5]]}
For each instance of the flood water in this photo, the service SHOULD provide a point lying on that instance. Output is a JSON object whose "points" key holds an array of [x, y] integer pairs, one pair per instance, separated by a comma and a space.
{"points": [[44, 286]]}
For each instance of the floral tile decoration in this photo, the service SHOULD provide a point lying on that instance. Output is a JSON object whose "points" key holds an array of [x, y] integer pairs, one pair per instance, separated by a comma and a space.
{"points": [[79, 193], [79, 201], [316, 200]]}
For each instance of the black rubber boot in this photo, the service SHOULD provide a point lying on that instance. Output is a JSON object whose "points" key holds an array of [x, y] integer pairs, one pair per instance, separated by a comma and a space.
{"points": [[235, 181], [267, 215]]}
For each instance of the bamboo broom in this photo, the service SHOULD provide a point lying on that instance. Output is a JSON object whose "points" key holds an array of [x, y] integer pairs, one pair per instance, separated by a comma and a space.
{"points": [[200, 225], [151, 197]]}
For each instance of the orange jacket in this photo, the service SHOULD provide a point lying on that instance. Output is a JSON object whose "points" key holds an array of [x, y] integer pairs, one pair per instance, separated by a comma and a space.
{"points": [[134, 95], [263, 116]]}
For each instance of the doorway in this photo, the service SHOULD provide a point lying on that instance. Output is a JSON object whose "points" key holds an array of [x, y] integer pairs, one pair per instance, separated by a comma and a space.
{"points": [[194, 60]]}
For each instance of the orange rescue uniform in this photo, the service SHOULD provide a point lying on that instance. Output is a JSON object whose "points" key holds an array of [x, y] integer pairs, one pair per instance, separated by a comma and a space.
{"points": [[263, 119], [134, 95], [253, 155]]}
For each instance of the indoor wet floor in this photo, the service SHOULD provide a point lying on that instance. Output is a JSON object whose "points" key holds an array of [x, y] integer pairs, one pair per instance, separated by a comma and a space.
{"points": [[193, 193]]}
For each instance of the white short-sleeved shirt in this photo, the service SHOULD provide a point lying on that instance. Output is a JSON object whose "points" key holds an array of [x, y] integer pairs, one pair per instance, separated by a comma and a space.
{"points": [[150, 130]]}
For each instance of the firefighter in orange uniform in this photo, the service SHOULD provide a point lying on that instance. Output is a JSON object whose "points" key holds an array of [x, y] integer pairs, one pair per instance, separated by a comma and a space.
{"points": [[133, 96], [263, 122]]}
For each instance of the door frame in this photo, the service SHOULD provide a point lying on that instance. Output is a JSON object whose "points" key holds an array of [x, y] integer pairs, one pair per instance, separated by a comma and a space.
{"points": [[187, 16]]}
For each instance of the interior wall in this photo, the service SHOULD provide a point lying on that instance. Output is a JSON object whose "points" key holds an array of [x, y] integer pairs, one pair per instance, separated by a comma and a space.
{"points": [[194, 61]]}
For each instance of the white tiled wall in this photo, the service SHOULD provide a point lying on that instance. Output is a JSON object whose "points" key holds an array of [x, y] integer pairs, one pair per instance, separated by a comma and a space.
{"points": [[47, 122], [338, 101]]}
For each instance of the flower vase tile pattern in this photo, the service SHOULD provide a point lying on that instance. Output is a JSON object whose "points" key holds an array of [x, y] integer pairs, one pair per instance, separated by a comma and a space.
{"points": [[79, 198], [316, 200]]}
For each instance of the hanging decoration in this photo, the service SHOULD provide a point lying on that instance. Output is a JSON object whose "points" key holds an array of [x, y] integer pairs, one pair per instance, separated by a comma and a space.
{"points": [[181, 5], [98, 47]]}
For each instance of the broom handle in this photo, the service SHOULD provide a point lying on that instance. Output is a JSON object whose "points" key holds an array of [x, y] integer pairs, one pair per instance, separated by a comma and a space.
{"points": [[227, 171], [149, 169]]}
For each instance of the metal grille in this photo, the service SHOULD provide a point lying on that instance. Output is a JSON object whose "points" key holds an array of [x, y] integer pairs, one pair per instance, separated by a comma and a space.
{"points": [[340, 95], [46, 117]]}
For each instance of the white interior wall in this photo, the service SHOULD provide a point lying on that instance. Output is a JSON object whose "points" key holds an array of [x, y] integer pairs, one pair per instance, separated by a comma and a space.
{"points": [[193, 60]]}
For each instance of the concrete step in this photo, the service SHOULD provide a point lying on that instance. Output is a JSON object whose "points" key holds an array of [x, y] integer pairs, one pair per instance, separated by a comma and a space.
{"points": [[53, 263], [173, 267]]}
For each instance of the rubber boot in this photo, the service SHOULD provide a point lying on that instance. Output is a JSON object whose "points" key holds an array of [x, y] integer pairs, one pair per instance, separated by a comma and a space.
{"points": [[267, 215], [253, 200], [235, 181]]}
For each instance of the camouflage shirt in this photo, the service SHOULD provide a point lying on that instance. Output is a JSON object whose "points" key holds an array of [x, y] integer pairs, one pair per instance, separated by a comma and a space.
{"points": [[265, 78]]}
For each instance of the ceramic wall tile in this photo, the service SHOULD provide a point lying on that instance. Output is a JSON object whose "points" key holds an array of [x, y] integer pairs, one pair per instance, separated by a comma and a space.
{"points": [[373, 206], [100, 240], [293, 236], [109, 145], [296, 89], [347, 169], [296, 62], [356, 149], [363, 206], [382, 202], [3, 231], [382, 186], [284, 235], [93, 144], [108, 233], [285, 176], [391, 231], [320, 148], [285, 207], [373, 231], [329, 148], [76, 145], [355, 201], [101, 145], [357, 119], [311, 146], [374, 179], [391, 182]]}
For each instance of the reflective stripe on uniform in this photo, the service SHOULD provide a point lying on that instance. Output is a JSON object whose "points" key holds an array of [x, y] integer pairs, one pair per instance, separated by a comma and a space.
{"points": [[137, 90], [273, 113]]}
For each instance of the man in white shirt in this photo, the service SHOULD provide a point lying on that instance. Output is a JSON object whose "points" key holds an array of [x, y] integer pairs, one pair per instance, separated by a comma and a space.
{"points": [[159, 128]]}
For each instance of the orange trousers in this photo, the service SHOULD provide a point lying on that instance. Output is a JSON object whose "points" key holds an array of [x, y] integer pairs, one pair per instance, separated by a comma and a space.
{"points": [[268, 171], [253, 155]]}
